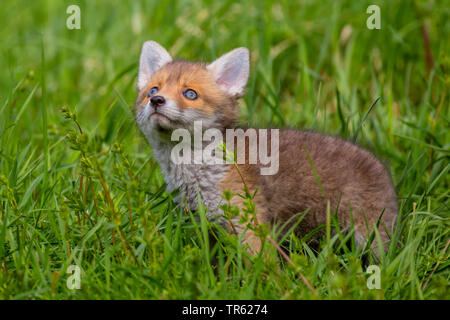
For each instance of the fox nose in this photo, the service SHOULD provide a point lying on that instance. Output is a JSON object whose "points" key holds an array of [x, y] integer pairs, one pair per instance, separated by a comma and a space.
{"points": [[157, 101]]}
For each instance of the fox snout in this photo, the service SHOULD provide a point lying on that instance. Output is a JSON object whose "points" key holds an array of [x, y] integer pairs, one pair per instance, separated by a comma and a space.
{"points": [[157, 101]]}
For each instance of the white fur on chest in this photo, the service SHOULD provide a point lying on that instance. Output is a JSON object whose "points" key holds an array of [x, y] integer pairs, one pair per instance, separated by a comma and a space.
{"points": [[191, 179]]}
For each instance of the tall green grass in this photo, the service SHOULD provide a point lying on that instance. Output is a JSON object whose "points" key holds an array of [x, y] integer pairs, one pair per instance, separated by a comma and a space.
{"points": [[79, 185]]}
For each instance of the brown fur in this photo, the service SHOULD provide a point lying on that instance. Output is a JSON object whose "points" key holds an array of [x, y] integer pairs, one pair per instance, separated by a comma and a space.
{"points": [[353, 181]]}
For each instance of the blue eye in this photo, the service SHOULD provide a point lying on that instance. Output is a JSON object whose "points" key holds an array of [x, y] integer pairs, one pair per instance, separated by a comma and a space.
{"points": [[152, 91], [190, 94]]}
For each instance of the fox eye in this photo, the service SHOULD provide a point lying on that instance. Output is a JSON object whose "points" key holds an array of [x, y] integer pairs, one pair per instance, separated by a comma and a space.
{"points": [[190, 94], [152, 91]]}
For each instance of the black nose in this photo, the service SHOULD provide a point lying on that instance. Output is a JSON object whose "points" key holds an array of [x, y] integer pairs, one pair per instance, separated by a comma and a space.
{"points": [[157, 101]]}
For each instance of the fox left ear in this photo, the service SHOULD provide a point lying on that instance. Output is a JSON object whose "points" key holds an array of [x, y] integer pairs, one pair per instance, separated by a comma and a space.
{"points": [[231, 71], [153, 57]]}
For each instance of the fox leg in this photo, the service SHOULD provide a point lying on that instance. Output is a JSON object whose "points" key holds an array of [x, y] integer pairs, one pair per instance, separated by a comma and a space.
{"points": [[252, 239]]}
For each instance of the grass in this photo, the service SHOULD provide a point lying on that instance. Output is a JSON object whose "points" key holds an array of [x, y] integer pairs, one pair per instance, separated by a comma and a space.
{"points": [[79, 185]]}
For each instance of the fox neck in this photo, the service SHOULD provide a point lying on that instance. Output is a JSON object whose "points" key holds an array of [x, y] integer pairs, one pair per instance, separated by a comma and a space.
{"points": [[193, 180]]}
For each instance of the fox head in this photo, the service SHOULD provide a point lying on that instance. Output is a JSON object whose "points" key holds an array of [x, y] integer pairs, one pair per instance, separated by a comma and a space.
{"points": [[173, 93]]}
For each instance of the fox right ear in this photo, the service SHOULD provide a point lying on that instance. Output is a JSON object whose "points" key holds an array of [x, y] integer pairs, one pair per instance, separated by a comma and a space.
{"points": [[153, 57], [231, 71]]}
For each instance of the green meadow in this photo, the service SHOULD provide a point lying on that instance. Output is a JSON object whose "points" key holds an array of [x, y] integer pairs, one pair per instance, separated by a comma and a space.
{"points": [[79, 185]]}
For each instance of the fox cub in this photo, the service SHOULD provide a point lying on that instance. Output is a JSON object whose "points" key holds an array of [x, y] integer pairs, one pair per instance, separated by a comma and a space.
{"points": [[315, 172]]}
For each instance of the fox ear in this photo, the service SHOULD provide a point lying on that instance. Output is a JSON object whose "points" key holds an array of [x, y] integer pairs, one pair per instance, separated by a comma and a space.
{"points": [[153, 57], [231, 71]]}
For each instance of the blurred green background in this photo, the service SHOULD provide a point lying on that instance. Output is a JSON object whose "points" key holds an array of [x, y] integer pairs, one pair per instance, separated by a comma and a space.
{"points": [[314, 65]]}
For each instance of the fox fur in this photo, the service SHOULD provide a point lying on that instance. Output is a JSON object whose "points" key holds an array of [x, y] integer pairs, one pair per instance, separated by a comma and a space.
{"points": [[353, 182]]}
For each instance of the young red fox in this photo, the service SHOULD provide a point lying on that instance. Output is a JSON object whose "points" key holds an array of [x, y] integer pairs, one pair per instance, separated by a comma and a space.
{"points": [[316, 172]]}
